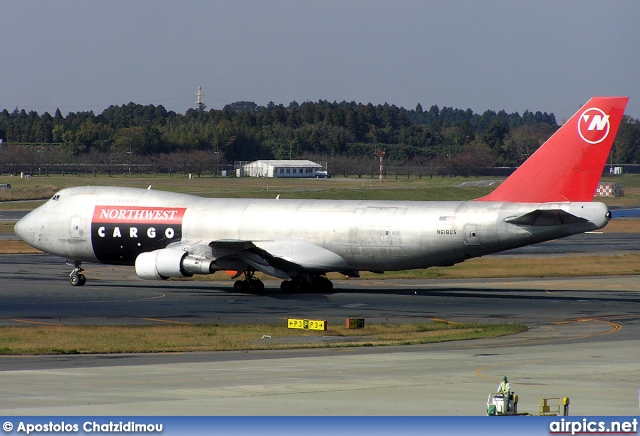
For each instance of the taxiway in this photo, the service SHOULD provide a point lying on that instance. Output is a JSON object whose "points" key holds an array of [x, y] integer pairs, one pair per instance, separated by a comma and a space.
{"points": [[583, 343]]}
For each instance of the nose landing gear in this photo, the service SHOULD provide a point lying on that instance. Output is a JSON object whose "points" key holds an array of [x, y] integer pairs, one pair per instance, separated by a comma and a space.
{"points": [[76, 278]]}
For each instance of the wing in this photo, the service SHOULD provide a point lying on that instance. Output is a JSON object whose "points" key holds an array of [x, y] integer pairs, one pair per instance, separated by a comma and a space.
{"points": [[281, 258]]}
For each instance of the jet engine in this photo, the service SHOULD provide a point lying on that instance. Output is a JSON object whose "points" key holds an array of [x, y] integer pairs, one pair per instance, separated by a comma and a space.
{"points": [[169, 262]]}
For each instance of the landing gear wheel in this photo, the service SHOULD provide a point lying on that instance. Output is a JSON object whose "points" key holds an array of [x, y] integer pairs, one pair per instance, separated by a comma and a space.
{"points": [[286, 286], [240, 286], [295, 285], [77, 279], [249, 284], [255, 285]]}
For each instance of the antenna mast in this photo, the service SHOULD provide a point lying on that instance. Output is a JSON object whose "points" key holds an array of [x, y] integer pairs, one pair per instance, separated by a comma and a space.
{"points": [[199, 104]]}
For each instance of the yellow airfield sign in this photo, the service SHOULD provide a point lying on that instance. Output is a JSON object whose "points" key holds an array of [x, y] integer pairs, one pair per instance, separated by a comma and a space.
{"points": [[308, 324]]}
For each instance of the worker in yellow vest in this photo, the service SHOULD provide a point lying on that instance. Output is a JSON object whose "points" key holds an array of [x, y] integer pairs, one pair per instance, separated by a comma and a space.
{"points": [[505, 389]]}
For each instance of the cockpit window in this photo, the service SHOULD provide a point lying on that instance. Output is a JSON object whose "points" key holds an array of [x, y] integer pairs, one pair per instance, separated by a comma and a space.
{"points": [[55, 197]]}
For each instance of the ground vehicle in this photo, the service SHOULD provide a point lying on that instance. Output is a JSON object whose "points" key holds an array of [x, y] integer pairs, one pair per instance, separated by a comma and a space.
{"points": [[502, 404], [507, 405]]}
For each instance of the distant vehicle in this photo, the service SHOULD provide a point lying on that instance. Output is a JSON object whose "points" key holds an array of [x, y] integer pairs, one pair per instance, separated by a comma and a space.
{"points": [[322, 175], [167, 234]]}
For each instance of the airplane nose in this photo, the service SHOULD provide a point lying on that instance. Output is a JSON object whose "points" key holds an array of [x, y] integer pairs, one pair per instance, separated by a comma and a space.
{"points": [[25, 228]]}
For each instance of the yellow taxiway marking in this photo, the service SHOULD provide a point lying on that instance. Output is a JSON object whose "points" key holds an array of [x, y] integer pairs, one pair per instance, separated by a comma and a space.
{"points": [[167, 321], [567, 336], [34, 322], [443, 320], [615, 327]]}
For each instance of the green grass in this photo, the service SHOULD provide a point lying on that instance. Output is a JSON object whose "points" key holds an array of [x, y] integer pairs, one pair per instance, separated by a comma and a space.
{"points": [[58, 339], [504, 267], [338, 188], [335, 188]]}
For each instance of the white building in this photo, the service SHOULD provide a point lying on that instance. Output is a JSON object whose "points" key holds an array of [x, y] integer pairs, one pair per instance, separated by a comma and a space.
{"points": [[280, 168]]}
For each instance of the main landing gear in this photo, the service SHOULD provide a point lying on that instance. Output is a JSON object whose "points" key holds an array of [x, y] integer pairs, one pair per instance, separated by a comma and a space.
{"points": [[249, 284], [301, 284], [76, 278]]}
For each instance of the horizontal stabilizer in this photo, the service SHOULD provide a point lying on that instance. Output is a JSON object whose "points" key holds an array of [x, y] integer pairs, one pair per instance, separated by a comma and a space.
{"points": [[546, 218]]}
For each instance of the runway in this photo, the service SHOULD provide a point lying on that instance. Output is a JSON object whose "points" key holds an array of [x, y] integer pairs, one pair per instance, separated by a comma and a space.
{"points": [[582, 343]]}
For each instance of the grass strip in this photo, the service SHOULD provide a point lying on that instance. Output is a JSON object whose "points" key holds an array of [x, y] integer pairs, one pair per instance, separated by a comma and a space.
{"points": [[12, 246], [505, 267], [60, 339], [367, 187]]}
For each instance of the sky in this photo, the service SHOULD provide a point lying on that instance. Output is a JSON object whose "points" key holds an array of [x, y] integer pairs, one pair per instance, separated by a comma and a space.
{"points": [[545, 55]]}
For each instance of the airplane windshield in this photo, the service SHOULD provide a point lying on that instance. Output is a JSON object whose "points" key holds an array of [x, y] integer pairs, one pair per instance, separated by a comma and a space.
{"points": [[55, 197]]}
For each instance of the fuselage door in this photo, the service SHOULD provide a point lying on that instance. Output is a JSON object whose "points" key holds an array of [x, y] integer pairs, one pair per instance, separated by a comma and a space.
{"points": [[472, 234], [76, 231]]}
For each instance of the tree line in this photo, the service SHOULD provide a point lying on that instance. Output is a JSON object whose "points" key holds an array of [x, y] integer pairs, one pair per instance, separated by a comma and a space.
{"points": [[150, 137]]}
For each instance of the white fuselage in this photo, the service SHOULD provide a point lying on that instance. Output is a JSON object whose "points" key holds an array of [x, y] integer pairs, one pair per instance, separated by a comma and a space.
{"points": [[368, 235]]}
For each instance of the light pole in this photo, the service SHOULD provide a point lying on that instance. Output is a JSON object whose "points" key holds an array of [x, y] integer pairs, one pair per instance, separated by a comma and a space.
{"points": [[380, 154], [130, 153]]}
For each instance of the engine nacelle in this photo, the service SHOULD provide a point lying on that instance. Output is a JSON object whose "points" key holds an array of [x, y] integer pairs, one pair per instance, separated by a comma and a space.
{"points": [[168, 262], [199, 265]]}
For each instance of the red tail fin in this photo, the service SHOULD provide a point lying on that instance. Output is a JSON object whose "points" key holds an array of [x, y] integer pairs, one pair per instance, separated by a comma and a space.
{"points": [[569, 165]]}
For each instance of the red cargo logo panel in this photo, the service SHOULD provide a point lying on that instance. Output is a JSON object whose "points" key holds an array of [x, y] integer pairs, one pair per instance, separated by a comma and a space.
{"points": [[120, 233]]}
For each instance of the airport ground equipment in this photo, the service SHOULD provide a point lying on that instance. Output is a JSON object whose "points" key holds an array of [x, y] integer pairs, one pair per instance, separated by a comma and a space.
{"points": [[502, 404], [507, 405], [553, 407]]}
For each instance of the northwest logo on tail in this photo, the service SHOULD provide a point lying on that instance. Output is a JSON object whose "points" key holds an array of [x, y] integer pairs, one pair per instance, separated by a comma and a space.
{"points": [[593, 125]]}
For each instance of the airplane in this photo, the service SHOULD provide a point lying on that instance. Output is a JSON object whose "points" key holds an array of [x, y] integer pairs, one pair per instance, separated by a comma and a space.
{"points": [[165, 234]]}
